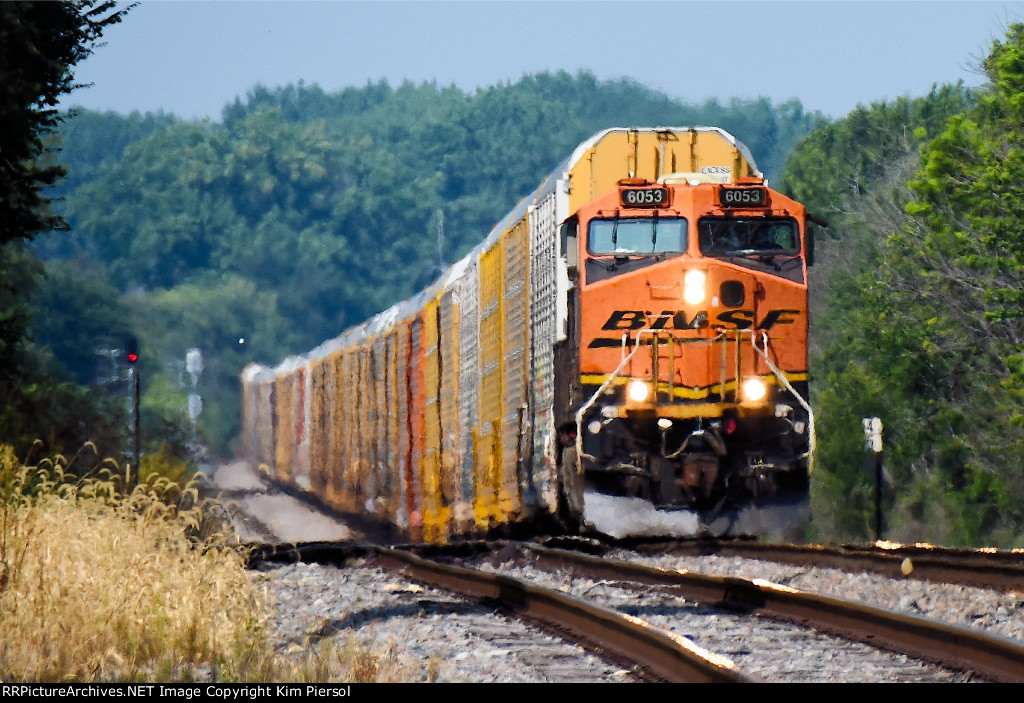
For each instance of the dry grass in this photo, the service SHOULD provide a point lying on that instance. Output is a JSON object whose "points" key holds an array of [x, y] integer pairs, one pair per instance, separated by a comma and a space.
{"points": [[96, 585]]}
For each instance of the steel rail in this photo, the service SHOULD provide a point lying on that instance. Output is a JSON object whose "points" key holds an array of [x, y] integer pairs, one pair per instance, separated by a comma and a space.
{"points": [[982, 569], [664, 654], [990, 656]]}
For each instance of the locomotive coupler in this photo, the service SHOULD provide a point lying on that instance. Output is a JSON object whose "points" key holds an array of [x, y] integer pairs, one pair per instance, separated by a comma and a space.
{"points": [[708, 435]]}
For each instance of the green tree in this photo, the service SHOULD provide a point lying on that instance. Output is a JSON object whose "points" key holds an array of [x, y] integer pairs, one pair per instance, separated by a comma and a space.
{"points": [[40, 43], [89, 142], [921, 323]]}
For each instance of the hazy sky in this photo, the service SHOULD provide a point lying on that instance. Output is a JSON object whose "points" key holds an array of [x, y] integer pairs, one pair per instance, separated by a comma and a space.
{"points": [[193, 57]]}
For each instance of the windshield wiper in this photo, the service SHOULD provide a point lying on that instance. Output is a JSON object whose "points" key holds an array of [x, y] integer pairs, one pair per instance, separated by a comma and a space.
{"points": [[765, 258], [606, 265]]}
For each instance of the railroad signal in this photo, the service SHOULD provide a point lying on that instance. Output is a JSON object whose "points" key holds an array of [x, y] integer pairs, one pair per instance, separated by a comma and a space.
{"points": [[872, 434], [873, 445], [131, 350], [131, 355]]}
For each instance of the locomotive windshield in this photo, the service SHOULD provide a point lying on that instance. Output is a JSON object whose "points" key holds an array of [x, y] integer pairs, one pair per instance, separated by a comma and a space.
{"points": [[641, 236], [742, 236]]}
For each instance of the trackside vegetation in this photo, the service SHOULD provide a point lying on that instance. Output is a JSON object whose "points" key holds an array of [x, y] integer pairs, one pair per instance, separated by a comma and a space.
{"points": [[920, 320], [102, 584]]}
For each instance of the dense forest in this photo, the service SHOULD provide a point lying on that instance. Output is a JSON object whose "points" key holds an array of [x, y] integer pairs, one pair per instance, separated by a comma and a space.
{"points": [[300, 212]]}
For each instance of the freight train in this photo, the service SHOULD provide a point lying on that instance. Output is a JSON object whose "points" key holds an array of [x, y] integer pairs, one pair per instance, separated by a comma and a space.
{"points": [[626, 352]]}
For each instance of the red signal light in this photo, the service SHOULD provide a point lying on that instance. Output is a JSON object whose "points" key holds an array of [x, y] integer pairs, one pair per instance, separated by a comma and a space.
{"points": [[131, 350]]}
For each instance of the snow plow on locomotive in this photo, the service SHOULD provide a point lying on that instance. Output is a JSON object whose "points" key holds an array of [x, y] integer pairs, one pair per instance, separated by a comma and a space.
{"points": [[625, 352]]}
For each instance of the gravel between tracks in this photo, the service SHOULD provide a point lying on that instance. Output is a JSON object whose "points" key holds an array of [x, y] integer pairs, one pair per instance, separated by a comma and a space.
{"points": [[436, 636], [430, 634]]}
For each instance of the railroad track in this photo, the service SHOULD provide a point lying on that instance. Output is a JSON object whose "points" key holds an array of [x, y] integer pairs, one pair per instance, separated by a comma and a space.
{"points": [[666, 656], [655, 654], [990, 656], [982, 568]]}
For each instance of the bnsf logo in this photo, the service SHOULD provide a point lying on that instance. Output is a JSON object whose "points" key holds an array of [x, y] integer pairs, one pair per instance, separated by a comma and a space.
{"points": [[730, 319]]}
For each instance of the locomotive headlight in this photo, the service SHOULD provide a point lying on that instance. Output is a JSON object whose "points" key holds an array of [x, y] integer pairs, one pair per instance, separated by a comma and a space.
{"points": [[637, 391], [754, 389], [693, 286]]}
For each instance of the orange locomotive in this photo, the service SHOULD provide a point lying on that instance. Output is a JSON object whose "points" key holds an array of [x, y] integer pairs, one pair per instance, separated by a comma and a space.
{"points": [[624, 351], [687, 358]]}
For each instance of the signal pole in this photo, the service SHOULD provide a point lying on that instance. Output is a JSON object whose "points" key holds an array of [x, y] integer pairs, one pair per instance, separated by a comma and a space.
{"points": [[131, 355], [194, 367], [873, 445]]}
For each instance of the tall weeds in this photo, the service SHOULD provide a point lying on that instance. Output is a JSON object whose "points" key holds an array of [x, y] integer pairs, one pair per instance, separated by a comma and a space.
{"points": [[100, 584]]}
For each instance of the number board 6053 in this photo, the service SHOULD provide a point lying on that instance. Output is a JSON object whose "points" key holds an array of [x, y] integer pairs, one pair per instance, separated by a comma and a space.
{"points": [[644, 197], [743, 197]]}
